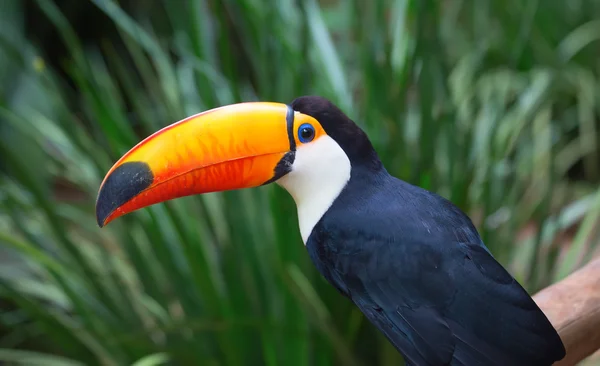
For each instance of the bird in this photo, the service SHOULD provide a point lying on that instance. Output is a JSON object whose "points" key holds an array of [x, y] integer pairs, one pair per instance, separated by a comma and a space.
{"points": [[409, 259]]}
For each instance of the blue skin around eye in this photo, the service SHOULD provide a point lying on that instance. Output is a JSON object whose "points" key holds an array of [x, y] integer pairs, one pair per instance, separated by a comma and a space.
{"points": [[302, 127]]}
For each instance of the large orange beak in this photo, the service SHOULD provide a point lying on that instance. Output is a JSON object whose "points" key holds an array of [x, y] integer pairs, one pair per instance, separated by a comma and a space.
{"points": [[237, 146]]}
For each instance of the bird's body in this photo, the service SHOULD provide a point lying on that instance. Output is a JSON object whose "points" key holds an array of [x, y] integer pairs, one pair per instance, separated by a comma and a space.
{"points": [[416, 267], [409, 259]]}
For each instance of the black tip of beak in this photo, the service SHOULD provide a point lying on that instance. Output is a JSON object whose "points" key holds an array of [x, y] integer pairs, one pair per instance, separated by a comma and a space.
{"points": [[125, 182]]}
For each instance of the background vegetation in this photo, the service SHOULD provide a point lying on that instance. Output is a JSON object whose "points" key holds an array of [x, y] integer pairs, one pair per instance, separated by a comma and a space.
{"points": [[491, 103]]}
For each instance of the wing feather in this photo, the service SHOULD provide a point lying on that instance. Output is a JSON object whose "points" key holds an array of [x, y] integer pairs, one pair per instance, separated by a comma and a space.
{"points": [[416, 267]]}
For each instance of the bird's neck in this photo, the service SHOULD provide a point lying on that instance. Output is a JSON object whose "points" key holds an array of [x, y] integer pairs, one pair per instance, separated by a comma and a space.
{"points": [[315, 186]]}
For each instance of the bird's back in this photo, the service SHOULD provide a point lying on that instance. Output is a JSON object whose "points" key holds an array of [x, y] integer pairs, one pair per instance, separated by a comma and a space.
{"points": [[416, 267]]}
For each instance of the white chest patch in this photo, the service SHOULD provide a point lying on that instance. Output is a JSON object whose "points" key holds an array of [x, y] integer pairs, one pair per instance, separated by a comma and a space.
{"points": [[320, 171]]}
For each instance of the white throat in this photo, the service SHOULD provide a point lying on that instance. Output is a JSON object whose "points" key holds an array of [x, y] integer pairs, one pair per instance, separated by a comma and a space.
{"points": [[320, 171]]}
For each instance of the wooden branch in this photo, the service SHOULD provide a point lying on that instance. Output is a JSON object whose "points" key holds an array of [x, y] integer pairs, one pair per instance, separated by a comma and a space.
{"points": [[573, 307]]}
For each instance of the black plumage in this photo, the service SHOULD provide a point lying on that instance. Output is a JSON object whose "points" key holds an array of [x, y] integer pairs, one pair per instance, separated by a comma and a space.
{"points": [[416, 267]]}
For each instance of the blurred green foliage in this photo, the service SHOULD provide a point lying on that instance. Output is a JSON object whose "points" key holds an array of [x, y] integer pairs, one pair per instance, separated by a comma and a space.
{"points": [[491, 103]]}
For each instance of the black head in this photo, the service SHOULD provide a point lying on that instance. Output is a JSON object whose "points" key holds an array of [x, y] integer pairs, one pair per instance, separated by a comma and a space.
{"points": [[351, 138]]}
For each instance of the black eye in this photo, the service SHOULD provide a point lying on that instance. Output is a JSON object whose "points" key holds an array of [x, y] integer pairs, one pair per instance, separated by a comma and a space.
{"points": [[306, 133]]}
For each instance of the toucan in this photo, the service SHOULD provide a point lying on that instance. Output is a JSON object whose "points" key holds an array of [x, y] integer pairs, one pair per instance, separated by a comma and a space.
{"points": [[409, 259]]}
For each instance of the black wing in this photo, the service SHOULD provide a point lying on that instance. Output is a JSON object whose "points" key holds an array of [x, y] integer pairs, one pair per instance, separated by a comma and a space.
{"points": [[438, 300]]}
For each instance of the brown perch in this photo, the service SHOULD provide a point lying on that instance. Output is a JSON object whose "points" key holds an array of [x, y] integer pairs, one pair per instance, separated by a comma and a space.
{"points": [[573, 307]]}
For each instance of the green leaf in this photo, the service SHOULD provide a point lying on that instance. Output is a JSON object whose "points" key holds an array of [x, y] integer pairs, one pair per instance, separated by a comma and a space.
{"points": [[35, 358], [152, 360]]}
